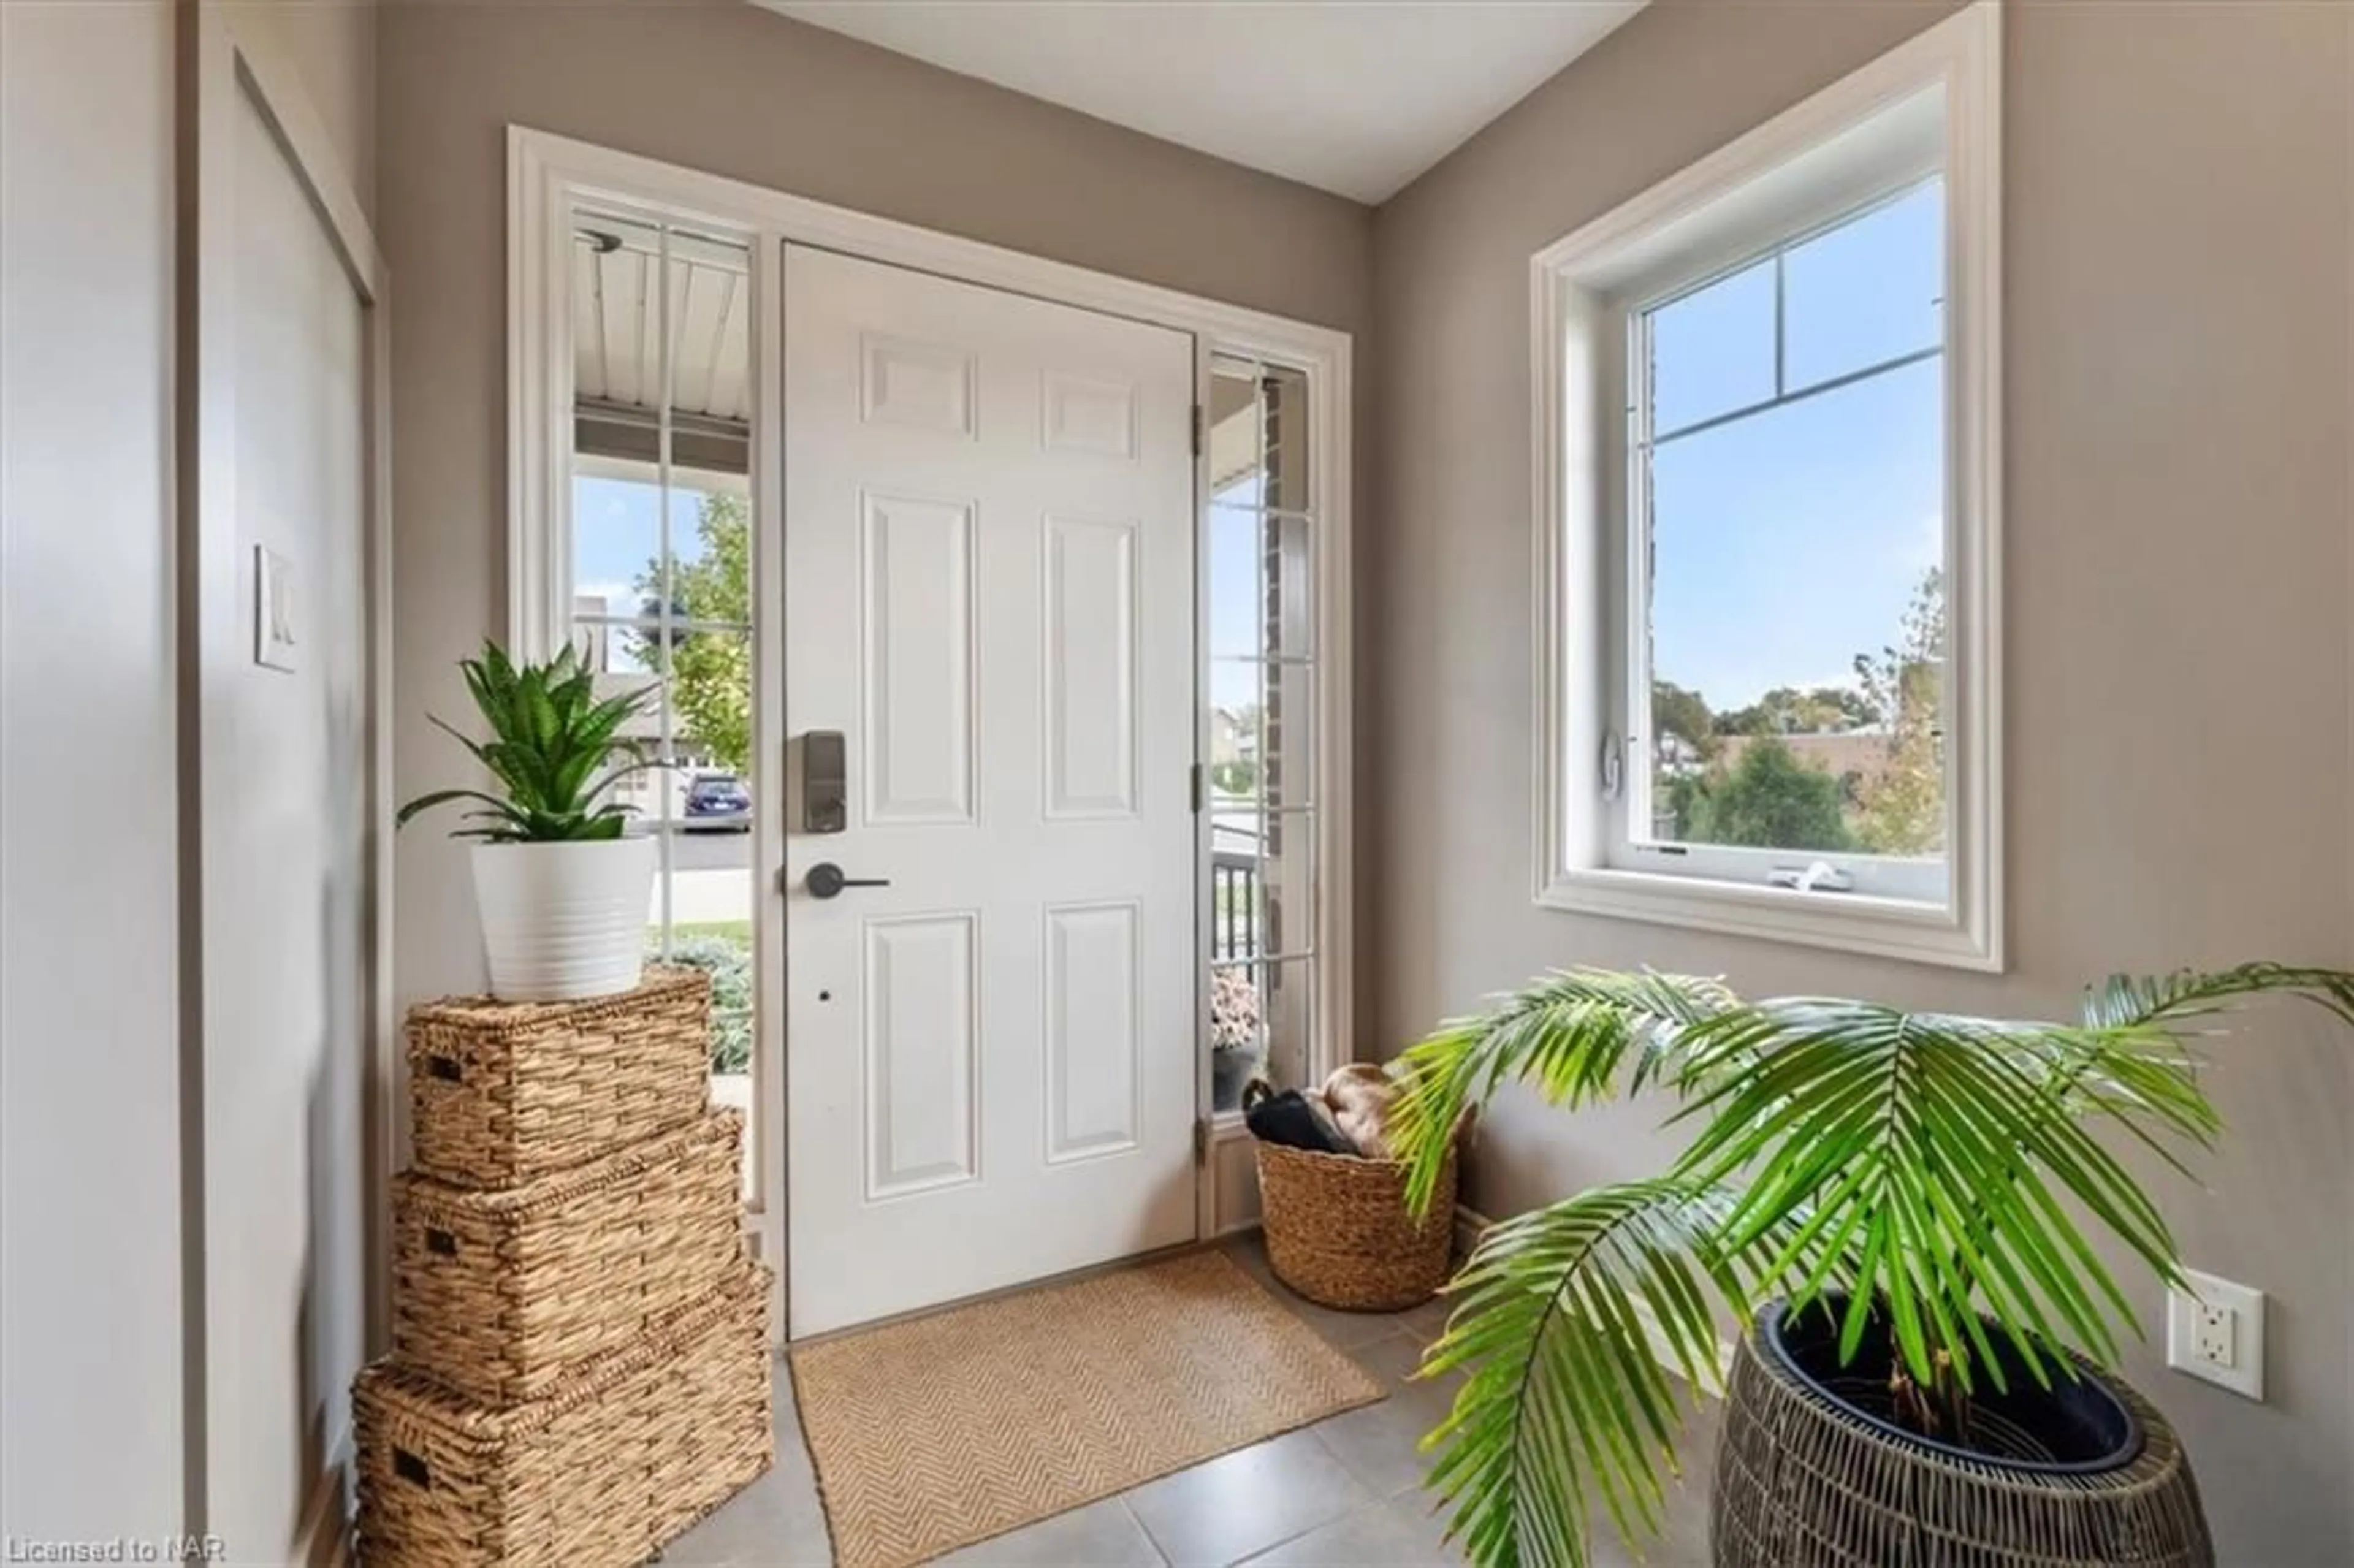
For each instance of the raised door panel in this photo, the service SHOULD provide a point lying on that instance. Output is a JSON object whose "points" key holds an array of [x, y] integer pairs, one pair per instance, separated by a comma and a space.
{"points": [[922, 1044], [1092, 1017], [1086, 415], [1089, 660], [917, 385], [919, 613]]}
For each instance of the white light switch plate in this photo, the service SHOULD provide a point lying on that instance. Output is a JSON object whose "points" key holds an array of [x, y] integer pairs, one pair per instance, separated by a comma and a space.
{"points": [[273, 609], [2217, 1333]]}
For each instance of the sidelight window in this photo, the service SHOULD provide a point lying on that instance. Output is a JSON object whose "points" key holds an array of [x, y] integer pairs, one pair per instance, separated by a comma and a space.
{"points": [[1261, 673], [658, 553]]}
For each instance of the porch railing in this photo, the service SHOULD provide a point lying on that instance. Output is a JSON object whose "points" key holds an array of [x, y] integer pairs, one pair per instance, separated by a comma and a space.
{"points": [[1234, 905]]}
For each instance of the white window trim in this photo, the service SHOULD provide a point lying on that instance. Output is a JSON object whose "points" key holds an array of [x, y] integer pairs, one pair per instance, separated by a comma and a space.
{"points": [[548, 174], [1832, 139]]}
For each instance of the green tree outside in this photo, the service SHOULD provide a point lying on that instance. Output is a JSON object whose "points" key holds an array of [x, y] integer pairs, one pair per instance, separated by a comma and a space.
{"points": [[1237, 777], [710, 671], [1904, 811], [1768, 799], [1785, 710], [1682, 713]]}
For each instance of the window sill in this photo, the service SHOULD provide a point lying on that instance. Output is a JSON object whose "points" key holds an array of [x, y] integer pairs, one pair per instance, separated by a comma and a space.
{"points": [[1845, 922]]}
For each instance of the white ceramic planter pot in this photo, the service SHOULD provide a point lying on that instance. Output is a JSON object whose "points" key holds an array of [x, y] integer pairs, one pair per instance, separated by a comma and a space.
{"points": [[564, 920]]}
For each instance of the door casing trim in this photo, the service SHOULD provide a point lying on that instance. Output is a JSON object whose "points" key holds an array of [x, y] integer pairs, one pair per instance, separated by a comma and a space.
{"points": [[547, 174]]}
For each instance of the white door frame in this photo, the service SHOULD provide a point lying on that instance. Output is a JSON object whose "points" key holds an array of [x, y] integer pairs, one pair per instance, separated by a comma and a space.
{"points": [[546, 176], [218, 63]]}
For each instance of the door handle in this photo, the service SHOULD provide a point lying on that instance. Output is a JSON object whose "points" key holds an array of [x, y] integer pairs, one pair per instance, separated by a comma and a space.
{"points": [[824, 880]]}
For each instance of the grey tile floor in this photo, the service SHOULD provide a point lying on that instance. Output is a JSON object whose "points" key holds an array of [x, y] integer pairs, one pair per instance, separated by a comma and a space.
{"points": [[1344, 1493]]}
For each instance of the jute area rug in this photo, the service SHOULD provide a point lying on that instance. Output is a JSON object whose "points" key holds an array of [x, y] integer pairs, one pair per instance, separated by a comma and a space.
{"points": [[936, 1433]]}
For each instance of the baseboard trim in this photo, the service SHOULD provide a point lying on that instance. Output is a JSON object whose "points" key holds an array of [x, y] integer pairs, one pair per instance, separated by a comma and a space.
{"points": [[323, 1539], [1470, 1224]]}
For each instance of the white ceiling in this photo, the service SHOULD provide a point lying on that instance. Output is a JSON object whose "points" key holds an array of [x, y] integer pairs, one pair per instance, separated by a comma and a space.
{"points": [[1356, 97]]}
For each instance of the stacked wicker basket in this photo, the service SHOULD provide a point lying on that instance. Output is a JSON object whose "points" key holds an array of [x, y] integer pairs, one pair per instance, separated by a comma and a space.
{"points": [[579, 1365]]}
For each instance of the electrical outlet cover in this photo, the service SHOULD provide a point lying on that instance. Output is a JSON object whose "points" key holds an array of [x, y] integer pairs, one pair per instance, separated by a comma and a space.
{"points": [[2229, 1352]]}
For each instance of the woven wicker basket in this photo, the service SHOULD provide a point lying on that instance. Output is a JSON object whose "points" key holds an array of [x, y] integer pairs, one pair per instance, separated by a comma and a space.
{"points": [[501, 1092], [1803, 1482], [1338, 1231], [499, 1296], [604, 1471]]}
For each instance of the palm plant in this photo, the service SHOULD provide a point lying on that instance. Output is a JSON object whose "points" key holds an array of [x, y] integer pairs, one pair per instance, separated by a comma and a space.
{"points": [[550, 736], [1930, 1178]]}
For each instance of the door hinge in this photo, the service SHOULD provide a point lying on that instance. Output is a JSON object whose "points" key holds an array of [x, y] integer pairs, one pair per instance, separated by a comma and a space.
{"points": [[1197, 430], [1201, 1141], [1193, 787]]}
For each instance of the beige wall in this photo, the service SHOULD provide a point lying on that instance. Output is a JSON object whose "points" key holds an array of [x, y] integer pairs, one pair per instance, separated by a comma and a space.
{"points": [[2177, 275], [331, 43], [91, 1423], [738, 91]]}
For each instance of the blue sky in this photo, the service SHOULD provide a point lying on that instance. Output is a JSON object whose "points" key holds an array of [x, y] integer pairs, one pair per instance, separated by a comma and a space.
{"points": [[1788, 542], [614, 534]]}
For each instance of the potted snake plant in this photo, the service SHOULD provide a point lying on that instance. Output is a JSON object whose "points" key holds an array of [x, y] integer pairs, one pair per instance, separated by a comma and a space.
{"points": [[559, 885], [1899, 1209]]}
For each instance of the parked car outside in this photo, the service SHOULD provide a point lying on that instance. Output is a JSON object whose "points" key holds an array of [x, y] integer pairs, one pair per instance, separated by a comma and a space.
{"points": [[718, 803]]}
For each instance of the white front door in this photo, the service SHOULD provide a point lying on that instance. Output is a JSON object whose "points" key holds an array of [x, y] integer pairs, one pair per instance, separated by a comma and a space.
{"points": [[991, 1060]]}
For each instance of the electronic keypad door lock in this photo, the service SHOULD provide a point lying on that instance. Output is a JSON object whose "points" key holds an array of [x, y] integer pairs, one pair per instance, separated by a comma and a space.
{"points": [[825, 783]]}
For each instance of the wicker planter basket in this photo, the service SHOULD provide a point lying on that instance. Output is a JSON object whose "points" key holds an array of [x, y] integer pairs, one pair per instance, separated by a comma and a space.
{"points": [[1338, 1231], [499, 1296], [604, 1471], [502, 1092], [1805, 1480]]}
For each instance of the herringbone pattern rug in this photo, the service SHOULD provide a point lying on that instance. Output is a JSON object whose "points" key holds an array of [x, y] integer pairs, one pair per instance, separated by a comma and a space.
{"points": [[934, 1434]]}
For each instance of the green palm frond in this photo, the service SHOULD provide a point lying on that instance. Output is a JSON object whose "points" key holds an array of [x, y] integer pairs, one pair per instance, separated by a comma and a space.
{"points": [[1939, 1147], [1566, 1323], [1951, 1176], [549, 737], [2123, 1001], [1570, 1035]]}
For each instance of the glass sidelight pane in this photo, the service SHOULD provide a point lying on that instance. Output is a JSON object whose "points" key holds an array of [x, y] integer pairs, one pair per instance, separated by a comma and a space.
{"points": [[1232, 431], [617, 529], [1262, 742], [703, 794], [1259, 683], [1258, 436], [659, 551], [1283, 421], [1234, 883], [1285, 754], [662, 380], [1262, 586], [711, 549], [703, 907], [1262, 883], [1237, 583], [1261, 1019]]}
